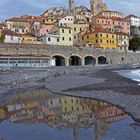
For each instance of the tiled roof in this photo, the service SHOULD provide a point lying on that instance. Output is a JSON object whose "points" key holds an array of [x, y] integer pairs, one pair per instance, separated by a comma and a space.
{"points": [[2, 25], [132, 16], [11, 33]]}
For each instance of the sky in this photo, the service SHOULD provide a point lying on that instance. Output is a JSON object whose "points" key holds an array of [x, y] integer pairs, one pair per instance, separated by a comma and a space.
{"points": [[13, 8]]}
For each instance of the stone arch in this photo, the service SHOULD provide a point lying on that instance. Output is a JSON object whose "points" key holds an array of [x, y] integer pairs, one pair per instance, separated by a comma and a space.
{"points": [[102, 60], [75, 60], [89, 60], [60, 59]]}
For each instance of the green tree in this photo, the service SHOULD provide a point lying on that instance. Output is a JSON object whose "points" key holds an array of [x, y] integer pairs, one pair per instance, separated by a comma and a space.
{"points": [[1, 38], [134, 43]]}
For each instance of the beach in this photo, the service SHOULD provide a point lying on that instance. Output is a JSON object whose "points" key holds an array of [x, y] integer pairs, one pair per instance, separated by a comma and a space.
{"points": [[107, 83]]}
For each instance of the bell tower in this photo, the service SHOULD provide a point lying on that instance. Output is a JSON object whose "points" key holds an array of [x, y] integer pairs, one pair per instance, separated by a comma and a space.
{"points": [[71, 4]]}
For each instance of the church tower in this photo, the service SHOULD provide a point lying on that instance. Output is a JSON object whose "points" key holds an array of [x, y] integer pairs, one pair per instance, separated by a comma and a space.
{"points": [[97, 6], [71, 4]]}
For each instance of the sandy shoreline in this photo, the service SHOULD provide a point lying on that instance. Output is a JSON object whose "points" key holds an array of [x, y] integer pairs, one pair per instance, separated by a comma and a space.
{"points": [[102, 82]]}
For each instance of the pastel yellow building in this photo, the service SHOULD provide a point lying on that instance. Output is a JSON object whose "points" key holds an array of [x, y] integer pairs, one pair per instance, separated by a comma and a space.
{"points": [[2, 113], [50, 20], [99, 39], [66, 36], [29, 39], [77, 28], [73, 105], [17, 23]]}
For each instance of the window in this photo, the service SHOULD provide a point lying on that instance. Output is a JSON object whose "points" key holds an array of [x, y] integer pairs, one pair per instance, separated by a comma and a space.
{"points": [[74, 28], [80, 29], [96, 41], [101, 41], [49, 39], [107, 41], [11, 37], [112, 36], [110, 41], [96, 35], [70, 31], [63, 38], [87, 37], [106, 35], [57, 39], [62, 30], [69, 38], [22, 30], [100, 35]]}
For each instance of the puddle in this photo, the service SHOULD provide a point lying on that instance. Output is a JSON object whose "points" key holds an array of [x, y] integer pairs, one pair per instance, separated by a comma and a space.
{"points": [[42, 115]]}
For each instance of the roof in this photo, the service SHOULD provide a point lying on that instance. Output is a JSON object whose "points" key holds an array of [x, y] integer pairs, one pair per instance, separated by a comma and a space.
{"points": [[101, 30], [112, 11], [27, 35], [2, 25], [130, 15], [114, 18], [11, 33], [18, 19]]}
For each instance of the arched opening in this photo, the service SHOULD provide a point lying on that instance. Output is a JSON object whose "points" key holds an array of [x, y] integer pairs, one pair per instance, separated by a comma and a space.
{"points": [[59, 60], [89, 60], [74, 61], [102, 60]]}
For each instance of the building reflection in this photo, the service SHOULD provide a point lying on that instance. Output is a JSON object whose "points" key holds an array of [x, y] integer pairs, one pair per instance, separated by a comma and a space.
{"points": [[61, 112]]}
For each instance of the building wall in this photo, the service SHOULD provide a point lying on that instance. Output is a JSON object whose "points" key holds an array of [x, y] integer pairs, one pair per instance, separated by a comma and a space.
{"points": [[101, 40], [66, 36], [66, 20], [111, 23], [44, 30], [110, 14], [12, 39]]}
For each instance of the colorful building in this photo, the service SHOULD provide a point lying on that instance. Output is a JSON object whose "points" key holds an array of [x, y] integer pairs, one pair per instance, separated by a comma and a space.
{"points": [[112, 24], [110, 14]]}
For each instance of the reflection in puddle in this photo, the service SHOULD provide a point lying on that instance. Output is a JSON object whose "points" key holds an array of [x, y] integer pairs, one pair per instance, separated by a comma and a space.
{"points": [[43, 112]]}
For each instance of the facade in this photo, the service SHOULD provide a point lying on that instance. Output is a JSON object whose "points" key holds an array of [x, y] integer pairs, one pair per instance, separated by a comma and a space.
{"points": [[97, 6], [59, 36], [112, 24], [101, 39], [66, 20], [50, 39], [26, 61], [18, 22], [133, 20], [44, 30], [29, 39], [110, 14], [66, 36], [77, 28], [11, 37], [123, 41]]}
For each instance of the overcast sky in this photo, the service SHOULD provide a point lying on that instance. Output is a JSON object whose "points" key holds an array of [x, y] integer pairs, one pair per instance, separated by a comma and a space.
{"points": [[12, 8]]}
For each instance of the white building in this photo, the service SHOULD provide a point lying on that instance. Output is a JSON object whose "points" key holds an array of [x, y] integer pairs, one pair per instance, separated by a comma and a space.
{"points": [[50, 39], [66, 20], [11, 37], [134, 20]]}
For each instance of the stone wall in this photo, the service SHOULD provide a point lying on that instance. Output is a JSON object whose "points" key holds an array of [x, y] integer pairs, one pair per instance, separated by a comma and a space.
{"points": [[113, 56]]}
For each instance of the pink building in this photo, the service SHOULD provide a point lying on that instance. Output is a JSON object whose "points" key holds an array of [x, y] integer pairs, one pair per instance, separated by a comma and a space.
{"points": [[113, 24], [44, 30]]}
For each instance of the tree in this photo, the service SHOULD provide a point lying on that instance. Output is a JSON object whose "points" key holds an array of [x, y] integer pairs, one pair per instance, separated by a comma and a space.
{"points": [[134, 44], [1, 38]]}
